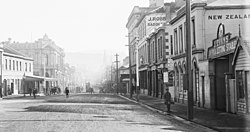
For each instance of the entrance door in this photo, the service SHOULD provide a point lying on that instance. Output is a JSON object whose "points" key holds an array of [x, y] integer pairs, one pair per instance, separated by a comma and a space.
{"points": [[221, 67]]}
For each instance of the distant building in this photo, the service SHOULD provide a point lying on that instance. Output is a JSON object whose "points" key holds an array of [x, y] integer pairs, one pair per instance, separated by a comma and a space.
{"points": [[124, 76], [48, 60]]}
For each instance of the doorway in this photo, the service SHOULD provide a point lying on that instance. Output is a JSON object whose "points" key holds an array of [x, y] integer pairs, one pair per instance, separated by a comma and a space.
{"points": [[221, 67]]}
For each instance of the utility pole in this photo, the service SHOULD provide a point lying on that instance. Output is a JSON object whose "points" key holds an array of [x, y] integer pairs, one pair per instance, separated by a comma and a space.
{"points": [[117, 81], [189, 63], [111, 76], [1, 70], [130, 71]]}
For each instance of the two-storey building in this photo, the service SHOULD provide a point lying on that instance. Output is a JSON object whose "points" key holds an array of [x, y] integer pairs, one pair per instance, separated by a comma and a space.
{"points": [[214, 35], [15, 68]]}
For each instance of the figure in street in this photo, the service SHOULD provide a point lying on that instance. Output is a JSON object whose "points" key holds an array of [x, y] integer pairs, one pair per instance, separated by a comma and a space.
{"points": [[167, 98], [30, 91], [34, 93], [67, 92]]}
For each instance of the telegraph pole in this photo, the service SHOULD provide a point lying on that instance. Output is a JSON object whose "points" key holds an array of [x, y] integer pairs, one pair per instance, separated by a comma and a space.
{"points": [[189, 63], [117, 81], [111, 76], [130, 71]]}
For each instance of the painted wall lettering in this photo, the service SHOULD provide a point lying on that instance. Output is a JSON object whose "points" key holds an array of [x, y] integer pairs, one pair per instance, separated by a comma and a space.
{"points": [[229, 16]]}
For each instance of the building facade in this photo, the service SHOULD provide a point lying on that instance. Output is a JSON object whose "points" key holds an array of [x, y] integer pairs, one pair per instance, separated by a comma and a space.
{"points": [[132, 26], [214, 35], [154, 49], [15, 68]]}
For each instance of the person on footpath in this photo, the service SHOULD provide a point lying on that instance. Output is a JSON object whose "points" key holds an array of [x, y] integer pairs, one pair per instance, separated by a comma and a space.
{"points": [[67, 92], [30, 91], [167, 98], [34, 93]]}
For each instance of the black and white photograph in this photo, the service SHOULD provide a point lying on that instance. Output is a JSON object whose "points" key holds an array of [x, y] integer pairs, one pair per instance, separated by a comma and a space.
{"points": [[125, 66]]}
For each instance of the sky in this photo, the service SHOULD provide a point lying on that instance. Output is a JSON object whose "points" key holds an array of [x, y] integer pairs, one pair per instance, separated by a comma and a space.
{"points": [[74, 25], [87, 29]]}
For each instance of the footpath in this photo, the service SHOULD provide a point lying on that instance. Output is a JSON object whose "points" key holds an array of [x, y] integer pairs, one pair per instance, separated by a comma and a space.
{"points": [[216, 120]]}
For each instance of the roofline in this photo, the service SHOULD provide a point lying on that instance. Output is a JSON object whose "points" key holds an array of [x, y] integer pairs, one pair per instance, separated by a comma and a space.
{"points": [[227, 7], [17, 56], [183, 12]]}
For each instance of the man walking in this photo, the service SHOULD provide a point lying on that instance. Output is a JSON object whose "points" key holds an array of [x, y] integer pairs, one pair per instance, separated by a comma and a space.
{"points": [[167, 97], [67, 92], [34, 92]]}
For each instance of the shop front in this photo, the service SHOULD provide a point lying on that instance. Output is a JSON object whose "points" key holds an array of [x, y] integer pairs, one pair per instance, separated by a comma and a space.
{"points": [[241, 62], [221, 71]]}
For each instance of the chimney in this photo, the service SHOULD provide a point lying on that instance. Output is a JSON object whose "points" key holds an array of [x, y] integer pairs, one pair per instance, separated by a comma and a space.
{"points": [[156, 3]]}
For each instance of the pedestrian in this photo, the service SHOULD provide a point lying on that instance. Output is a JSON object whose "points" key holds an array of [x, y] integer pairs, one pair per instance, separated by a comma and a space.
{"points": [[34, 92], [167, 98], [30, 91], [67, 92]]}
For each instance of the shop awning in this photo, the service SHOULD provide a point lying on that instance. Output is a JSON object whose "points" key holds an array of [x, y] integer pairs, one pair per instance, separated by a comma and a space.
{"points": [[50, 79], [33, 78], [38, 78]]}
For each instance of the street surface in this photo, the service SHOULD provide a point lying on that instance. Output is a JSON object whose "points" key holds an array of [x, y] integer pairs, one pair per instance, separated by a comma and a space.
{"points": [[84, 113]]}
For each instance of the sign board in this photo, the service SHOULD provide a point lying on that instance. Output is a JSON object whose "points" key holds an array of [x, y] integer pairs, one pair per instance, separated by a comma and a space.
{"points": [[223, 44], [165, 77]]}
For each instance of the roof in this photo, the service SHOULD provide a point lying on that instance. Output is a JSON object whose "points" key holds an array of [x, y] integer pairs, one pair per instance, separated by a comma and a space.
{"points": [[229, 3], [10, 51], [245, 45]]}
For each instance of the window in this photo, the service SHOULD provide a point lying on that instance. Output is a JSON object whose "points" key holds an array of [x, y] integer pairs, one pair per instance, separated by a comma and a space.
{"points": [[171, 45], [185, 43], [161, 47], [20, 66], [158, 49], [47, 60], [9, 64], [30, 67], [239, 85], [25, 66], [175, 42], [6, 64], [153, 49], [180, 39], [14, 65], [193, 32], [17, 65]]}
